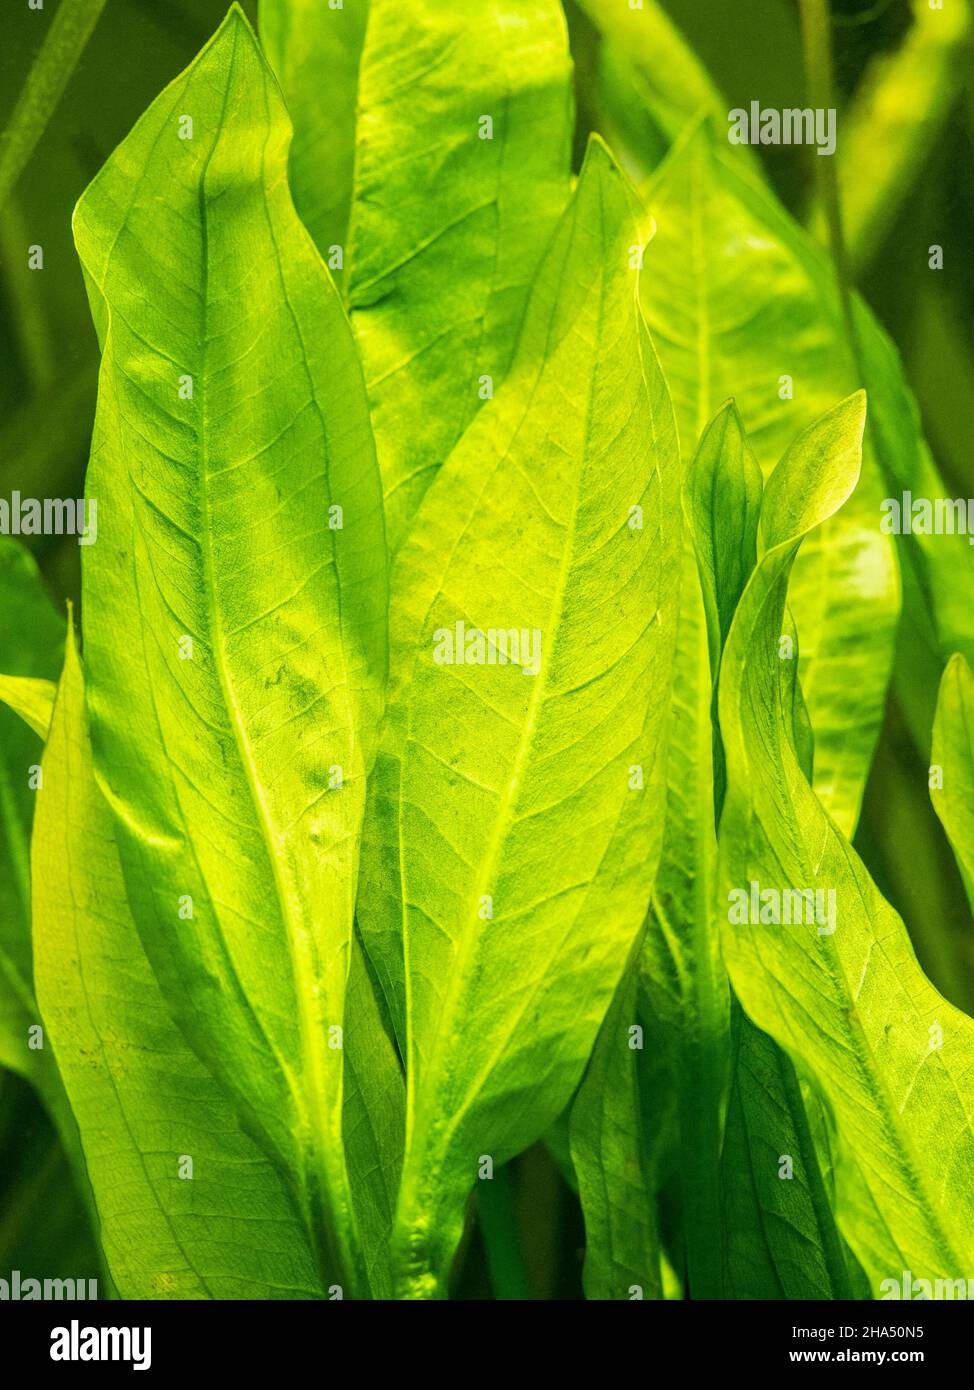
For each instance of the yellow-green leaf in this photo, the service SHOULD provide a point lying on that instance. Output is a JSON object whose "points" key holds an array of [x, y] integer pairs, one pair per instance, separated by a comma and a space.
{"points": [[189, 1207], [235, 604], [518, 790], [818, 959]]}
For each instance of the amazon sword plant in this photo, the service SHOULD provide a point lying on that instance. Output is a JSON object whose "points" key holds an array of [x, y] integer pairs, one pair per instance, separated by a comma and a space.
{"points": [[481, 659]]}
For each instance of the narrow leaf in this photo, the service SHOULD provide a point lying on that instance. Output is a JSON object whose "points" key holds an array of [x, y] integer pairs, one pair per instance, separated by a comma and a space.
{"points": [[31, 699], [373, 1118], [779, 1237], [461, 172], [952, 765], [525, 781], [611, 1155], [731, 279], [31, 643], [740, 1226], [724, 494], [189, 1207], [315, 51], [667, 76], [837, 984], [235, 603], [682, 976]]}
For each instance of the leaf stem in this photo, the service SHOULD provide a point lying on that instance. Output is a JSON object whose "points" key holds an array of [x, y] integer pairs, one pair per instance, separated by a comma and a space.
{"points": [[37, 348], [816, 26], [69, 32]]}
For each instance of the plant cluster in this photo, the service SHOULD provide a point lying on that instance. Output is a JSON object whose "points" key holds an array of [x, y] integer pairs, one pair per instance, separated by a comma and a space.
{"points": [[481, 659]]}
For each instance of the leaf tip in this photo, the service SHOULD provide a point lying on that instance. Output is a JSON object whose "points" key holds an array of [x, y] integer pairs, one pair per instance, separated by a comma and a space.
{"points": [[236, 21], [957, 673], [599, 159]]}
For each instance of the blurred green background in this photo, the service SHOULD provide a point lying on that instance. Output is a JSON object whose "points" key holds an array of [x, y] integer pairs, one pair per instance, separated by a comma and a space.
{"points": [[903, 75]]}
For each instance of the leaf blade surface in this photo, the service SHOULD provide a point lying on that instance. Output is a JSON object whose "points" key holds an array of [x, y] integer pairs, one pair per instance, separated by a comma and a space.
{"points": [[518, 863], [234, 703], [843, 994]]}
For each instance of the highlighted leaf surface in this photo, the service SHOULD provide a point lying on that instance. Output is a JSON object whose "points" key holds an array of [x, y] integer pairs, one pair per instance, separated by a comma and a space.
{"points": [[226, 1227], [31, 641], [506, 793], [746, 1233], [235, 603], [850, 1005], [730, 280], [461, 170]]}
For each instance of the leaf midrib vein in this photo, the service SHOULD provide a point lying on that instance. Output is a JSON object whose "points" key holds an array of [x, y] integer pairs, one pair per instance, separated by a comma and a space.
{"points": [[300, 968], [470, 940]]}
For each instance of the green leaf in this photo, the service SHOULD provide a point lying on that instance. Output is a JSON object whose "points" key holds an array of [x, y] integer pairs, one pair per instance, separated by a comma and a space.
{"points": [[724, 488], [31, 699], [234, 619], [447, 227], [64, 43], [829, 452], [611, 1155], [938, 570], [373, 1117], [740, 1226], [43, 1225], [952, 770], [315, 51], [665, 75], [525, 857], [682, 976], [896, 121], [850, 1004], [737, 302], [779, 1238], [144, 1103], [437, 220], [31, 643]]}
